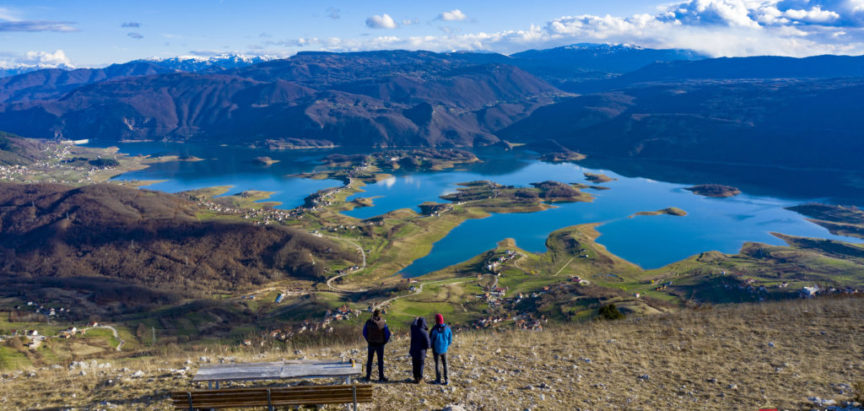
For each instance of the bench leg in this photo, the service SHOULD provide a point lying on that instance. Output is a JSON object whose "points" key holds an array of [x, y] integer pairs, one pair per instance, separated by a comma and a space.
{"points": [[354, 392]]}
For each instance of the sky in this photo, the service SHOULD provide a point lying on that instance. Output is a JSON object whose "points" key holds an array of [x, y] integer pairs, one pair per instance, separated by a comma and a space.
{"points": [[93, 33]]}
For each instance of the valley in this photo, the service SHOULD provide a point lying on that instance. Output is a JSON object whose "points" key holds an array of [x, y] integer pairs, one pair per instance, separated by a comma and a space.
{"points": [[331, 262], [649, 227]]}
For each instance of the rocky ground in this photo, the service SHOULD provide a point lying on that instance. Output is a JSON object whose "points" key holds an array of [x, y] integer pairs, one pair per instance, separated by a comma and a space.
{"points": [[804, 354]]}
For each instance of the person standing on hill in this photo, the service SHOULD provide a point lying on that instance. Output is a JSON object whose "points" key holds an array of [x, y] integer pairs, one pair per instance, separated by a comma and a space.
{"points": [[377, 335], [441, 337], [419, 344]]}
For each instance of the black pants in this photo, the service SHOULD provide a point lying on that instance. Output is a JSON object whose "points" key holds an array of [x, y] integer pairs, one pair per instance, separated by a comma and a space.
{"points": [[417, 363], [379, 350], [443, 358]]}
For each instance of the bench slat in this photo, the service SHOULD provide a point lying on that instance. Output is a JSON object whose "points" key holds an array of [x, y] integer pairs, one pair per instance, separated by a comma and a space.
{"points": [[273, 391], [257, 397]]}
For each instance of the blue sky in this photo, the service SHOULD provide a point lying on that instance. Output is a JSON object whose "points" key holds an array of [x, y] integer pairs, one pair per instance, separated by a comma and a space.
{"points": [[95, 32]]}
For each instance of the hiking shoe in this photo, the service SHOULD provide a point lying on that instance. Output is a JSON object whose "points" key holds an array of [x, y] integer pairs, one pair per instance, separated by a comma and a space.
{"points": [[437, 382], [382, 379], [446, 383]]}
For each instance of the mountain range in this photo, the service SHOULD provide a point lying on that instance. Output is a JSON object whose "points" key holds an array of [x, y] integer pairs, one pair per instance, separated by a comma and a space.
{"points": [[631, 102]]}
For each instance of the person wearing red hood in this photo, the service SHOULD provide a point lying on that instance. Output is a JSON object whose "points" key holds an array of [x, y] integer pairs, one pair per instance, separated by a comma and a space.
{"points": [[441, 337]]}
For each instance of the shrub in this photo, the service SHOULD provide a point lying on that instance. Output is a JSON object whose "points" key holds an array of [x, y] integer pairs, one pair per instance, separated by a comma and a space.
{"points": [[858, 391], [610, 312]]}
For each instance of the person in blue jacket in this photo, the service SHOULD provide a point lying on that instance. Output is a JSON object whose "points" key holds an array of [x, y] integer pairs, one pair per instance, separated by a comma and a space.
{"points": [[377, 335], [419, 344], [441, 337]]}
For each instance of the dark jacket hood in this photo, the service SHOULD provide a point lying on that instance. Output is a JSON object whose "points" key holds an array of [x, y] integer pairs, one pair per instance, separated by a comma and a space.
{"points": [[420, 322]]}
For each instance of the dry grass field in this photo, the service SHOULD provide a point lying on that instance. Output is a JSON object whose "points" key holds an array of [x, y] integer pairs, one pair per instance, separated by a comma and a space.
{"points": [[733, 357]]}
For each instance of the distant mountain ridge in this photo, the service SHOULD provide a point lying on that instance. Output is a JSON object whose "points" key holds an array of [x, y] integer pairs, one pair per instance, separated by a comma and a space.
{"points": [[790, 123], [393, 98], [635, 102], [567, 66], [47, 84], [195, 64]]}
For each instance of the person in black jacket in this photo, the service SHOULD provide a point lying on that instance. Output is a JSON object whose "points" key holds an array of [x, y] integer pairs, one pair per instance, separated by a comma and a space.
{"points": [[419, 344], [377, 335]]}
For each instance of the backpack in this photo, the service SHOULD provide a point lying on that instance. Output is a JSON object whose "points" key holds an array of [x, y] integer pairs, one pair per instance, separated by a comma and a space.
{"points": [[375, 333]]}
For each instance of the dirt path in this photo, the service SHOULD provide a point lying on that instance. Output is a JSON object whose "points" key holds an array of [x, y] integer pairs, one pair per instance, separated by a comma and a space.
{"points": [[113, 331], [564, 266]]}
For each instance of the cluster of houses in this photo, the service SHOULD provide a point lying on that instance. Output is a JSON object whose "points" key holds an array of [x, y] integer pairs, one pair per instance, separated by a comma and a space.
{"points": [[26, 173], [341, 227], [578, 280], [49, 312], [261, 216], [493, 265], [810, 292], [524, 321], [311, 326], [54, 154], [494, 296], [71, 332], [33, 339], [305, 327], [342, 313], [488, 322], [529, 322], [322, 198]]}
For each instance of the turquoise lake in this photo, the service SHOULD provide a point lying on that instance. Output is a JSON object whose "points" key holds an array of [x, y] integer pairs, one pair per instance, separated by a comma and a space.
{"points": [[649, 241]]}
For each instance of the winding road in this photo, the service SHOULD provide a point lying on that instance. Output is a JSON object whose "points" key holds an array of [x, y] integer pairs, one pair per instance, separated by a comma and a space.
{"points": [[362, 266]]}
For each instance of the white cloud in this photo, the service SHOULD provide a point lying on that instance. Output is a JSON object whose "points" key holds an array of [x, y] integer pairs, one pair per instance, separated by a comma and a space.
{"points": [[41, 59], [44, 58], [814, 15], [452, 15], [714, 27], [383, 21]]}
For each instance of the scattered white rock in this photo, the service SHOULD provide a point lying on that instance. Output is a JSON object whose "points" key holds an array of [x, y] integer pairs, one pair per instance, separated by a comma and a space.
{"points": [[822, 402]]}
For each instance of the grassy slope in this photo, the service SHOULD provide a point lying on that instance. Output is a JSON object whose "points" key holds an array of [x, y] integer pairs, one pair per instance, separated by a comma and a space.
{"points": [[771, 355]]}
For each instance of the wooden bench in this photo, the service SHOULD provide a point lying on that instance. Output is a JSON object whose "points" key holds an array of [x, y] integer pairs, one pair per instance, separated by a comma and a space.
{"points": [[273, 397]]}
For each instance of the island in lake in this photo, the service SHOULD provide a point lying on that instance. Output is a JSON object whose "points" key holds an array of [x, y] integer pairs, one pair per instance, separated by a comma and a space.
{"points": [[598, 178], [562, 157], [265, 161], [714, 190], [673, 211]]}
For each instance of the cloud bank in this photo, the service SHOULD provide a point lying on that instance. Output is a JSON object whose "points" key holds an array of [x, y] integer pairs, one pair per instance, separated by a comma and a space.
{"points": [[714, 27], [41, 59]]}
